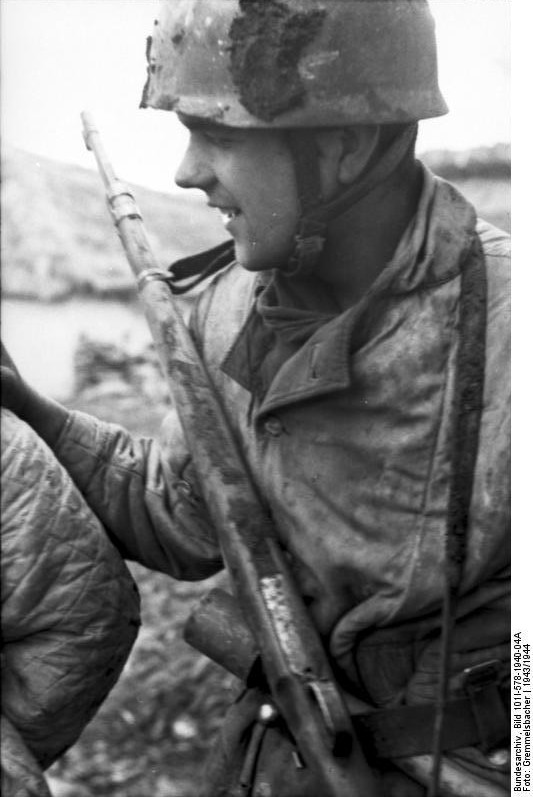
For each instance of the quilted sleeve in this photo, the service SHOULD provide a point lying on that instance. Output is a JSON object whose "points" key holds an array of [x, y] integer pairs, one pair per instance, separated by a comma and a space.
{"points": [[70, 609]]}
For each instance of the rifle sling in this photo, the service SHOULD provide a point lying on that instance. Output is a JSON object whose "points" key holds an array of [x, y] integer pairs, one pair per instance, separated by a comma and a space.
{"points": [[199, 267]]}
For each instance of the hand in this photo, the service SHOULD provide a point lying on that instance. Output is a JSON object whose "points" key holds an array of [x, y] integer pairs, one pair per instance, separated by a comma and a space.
{"points": [[46, 416], [15, 391]]}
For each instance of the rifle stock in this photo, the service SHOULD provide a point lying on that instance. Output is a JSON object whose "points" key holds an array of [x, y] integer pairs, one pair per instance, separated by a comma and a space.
{"points": [[297, 669], [217, 629]]}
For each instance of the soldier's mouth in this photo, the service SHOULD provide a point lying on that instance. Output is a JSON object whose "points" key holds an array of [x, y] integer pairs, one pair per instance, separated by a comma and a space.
{"points": [[229, 214]]}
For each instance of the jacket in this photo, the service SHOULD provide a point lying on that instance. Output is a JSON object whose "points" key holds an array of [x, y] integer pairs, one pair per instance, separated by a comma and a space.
{"points": [[70, 609], [347, 437]]}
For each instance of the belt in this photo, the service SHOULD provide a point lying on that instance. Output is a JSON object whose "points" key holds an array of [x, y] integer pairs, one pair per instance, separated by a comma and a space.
{"points": [[481, 718]]}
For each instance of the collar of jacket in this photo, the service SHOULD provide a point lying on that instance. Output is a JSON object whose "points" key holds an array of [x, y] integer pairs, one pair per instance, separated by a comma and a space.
{"points": [[430, 253]]}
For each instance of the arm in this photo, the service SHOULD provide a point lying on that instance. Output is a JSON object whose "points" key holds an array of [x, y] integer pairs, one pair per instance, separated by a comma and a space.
{"points": [[136, 487], [144, 492], [43, 414], [63, 646]]}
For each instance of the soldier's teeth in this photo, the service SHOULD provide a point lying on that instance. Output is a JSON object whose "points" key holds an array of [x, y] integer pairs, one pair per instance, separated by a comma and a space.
{"points": [[229, 215]]}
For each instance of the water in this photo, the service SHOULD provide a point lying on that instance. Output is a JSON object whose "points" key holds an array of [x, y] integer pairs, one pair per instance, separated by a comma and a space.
{"points": [[42, 338]]}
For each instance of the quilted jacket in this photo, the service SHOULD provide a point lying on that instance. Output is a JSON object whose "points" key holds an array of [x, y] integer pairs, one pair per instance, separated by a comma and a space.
{"points": [[70, 610]]}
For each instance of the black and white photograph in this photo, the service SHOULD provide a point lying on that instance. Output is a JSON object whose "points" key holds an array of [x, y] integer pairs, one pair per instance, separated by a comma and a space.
{"points": [[256, 410]]}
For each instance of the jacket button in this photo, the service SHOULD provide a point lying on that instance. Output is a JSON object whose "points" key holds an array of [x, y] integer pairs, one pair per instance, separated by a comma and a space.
{"points": [[184, 488], [273, 426]]}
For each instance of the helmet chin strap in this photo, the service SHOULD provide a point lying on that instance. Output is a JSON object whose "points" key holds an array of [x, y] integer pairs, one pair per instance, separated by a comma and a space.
{"points": [[315, 213]]}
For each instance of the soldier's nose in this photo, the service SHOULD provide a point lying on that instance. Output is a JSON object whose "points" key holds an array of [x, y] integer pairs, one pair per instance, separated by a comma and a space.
{"points": [[193, 171]]}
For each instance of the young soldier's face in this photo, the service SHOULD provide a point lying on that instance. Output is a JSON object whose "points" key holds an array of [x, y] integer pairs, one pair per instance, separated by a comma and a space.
{"points": [[248, 175]]}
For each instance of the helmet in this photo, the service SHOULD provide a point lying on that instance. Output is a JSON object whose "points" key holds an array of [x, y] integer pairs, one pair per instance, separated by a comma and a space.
{"points": [[298, 65], [295, 63]]}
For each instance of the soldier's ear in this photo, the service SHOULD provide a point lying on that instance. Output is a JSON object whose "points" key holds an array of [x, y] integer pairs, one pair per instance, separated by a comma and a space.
{"points": [[343, 155], [359, 147]]}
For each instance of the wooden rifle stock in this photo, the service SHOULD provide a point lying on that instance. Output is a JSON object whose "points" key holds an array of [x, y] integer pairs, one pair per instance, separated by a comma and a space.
{"points": [[217, 629], [299, 675]]}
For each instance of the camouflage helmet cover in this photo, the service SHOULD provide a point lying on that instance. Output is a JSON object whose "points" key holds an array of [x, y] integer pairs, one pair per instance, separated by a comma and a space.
{"points": [[295, 63]]}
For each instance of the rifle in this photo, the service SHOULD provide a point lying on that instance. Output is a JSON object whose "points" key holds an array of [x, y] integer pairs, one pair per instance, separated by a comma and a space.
{"points": [[296, 667], [217, 629]]}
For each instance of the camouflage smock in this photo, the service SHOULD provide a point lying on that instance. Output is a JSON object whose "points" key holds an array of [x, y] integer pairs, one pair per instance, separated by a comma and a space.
{"points": [[349, 446]]}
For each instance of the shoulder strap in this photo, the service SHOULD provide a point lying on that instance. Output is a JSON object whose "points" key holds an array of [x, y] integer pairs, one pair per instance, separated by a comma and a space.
{"points": [[466, 413], [197, 268], [467, 405]]}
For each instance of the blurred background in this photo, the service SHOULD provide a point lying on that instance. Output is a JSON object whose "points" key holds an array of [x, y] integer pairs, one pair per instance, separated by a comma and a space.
{"points": [[71, 322]]}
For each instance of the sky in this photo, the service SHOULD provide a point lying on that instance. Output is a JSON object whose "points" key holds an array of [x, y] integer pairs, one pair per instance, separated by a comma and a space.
{"points": [[60, 57]]}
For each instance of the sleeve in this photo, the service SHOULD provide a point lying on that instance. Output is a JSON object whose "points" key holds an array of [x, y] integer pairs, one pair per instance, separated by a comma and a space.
{"points": [[145, 493], [21, 774], [70, 609]]}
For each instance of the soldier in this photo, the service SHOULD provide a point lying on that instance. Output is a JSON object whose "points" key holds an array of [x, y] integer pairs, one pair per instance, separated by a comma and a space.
{"points": [[357, 333]]}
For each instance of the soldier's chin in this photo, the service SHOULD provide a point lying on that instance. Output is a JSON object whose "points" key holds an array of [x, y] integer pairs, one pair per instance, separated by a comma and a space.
{"points": [[249, 257], [258, 257]]}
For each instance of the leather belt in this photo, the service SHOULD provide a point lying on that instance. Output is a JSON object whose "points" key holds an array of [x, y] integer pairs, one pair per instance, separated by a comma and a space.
{"points": [[479, 719]]}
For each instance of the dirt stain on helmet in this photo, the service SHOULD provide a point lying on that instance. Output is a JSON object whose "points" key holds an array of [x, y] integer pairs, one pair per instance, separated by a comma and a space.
{"points": [[267, 42]]}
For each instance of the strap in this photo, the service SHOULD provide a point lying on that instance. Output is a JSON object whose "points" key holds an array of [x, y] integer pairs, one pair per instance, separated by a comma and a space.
{"points": [[316, 214], [466, 414], [391, 160], [201, 266], [406, 731], [303, 146], [467, 406]]}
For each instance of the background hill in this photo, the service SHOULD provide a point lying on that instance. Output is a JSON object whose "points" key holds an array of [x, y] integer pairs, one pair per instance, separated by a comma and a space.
{"points": [[58, 240]]}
